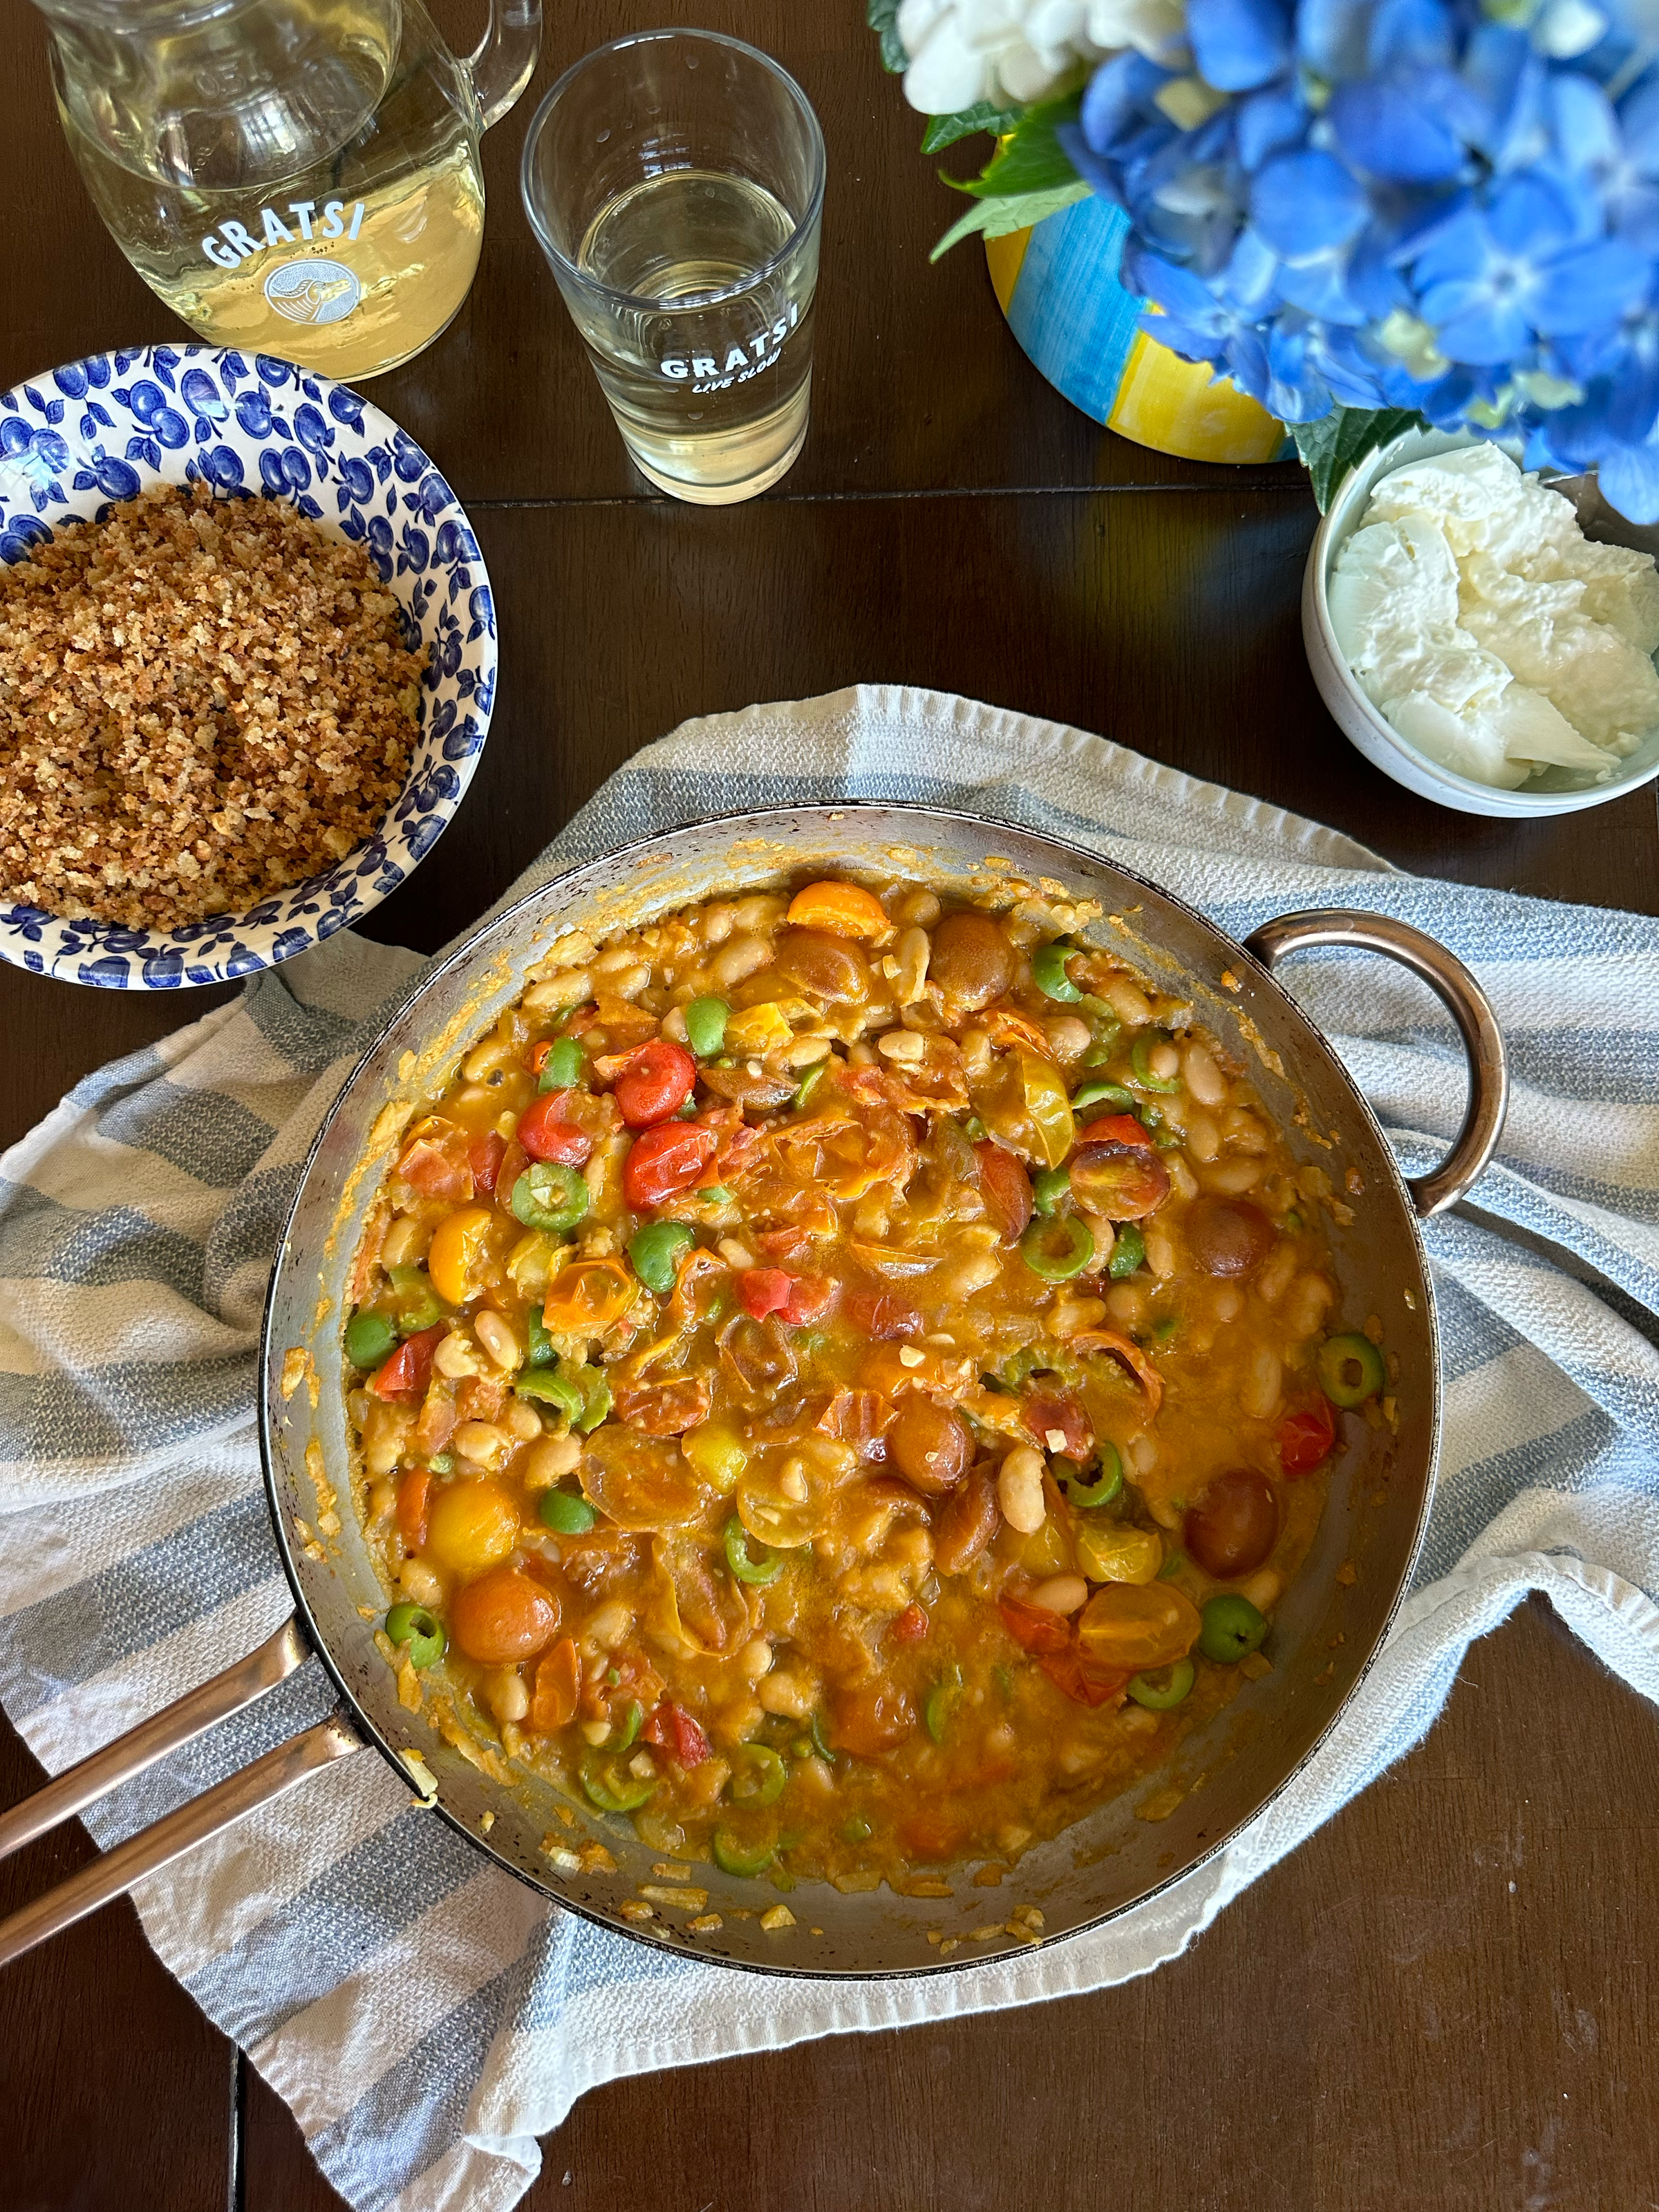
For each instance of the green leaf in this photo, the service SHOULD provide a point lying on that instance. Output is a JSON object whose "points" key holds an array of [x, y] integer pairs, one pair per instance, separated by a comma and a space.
{"points": [[996, 218], [1032, 159], [1334, 444], [944, 131], [882, 16]]}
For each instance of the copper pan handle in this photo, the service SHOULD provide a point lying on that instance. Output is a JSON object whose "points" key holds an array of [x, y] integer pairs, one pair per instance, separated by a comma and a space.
{"points": [[1463, 999], [114, 1874]]}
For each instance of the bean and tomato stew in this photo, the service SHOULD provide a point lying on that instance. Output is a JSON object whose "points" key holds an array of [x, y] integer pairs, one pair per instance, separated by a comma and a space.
{"points": [[844, 1381]]}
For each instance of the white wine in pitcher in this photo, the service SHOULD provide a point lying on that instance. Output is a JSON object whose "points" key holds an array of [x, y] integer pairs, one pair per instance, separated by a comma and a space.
{"points": [[292, 177]]}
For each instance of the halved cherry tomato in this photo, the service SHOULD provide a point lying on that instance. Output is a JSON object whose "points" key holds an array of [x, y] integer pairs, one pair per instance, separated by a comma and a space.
{"points": [[844, 909], [1080, 1678], [546, 1133], [558, 1686], [1306, 1438], [871, 1718], [808, 1300], [881, 1316], [1125, 1182], [671, 1729], [665, 1161], [762, 1290], [910, 1626], [435, 1161], [414, 1497], [1116, 1129], [537, 1058], [458, 1245], [486, 1154], [407, 1371], [1050, 1414], [1033, 1629], [658, 1078], [1006, 1189]]}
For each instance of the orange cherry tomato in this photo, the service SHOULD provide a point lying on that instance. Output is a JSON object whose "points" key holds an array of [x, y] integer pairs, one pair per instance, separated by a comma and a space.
{"points": [[502, 1617], [1116, 1129], [414, 1496], [658, 1078], [666, 1160], [558, 1687], [844, 909]]}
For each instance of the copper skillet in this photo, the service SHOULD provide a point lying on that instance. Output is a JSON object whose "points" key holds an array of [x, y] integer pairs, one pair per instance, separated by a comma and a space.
{"points": [[1109, 1861]]}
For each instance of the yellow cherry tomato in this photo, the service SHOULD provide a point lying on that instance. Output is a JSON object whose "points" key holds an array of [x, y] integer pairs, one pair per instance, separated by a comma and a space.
{"points": [[717, 1452], [1118, 1554], [457, 1243], [1053, 1121], [470, 1526], [844, 909], [1138, 1626]]}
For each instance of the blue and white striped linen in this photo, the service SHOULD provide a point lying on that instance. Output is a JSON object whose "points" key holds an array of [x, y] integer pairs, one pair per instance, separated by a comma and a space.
{"points": [[426, 2016]]}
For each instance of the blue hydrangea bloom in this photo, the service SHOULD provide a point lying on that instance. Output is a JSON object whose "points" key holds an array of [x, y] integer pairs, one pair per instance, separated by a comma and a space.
{"points": [[1425, 203]]}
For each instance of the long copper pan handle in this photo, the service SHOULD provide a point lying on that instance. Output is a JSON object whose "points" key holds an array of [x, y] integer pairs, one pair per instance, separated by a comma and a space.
{"points": [[153, 1848], [81, 1785], [1463, 999]]}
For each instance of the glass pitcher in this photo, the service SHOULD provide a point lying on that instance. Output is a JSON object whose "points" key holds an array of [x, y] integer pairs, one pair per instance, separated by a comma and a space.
{"points": [[293, 176]]}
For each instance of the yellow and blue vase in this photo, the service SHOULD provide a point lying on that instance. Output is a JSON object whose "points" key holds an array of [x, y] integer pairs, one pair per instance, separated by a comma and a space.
{"points": [[1058, 286]]}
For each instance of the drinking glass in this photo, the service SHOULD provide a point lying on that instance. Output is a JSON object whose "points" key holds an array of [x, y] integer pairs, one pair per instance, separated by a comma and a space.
{"points": [[675, 180]]}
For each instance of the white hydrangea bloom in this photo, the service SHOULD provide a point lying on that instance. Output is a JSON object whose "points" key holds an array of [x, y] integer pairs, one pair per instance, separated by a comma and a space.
{"points": [[1013, 51]]}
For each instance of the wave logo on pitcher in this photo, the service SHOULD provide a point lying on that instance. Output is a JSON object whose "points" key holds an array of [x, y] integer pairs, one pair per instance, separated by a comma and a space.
{"points": [[708, 372], [313, 291]]}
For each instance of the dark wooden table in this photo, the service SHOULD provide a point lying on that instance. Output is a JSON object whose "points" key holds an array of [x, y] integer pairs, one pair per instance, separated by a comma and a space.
{"points": [[1444, 1999]]}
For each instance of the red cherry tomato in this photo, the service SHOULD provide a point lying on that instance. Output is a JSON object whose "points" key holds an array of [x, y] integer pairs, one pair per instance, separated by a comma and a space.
{"points": [[882, 1315], [762, 1290], [1032, 1628], [672, 1729], [808, 1300], [664, 1160], [546, 1134], [910, 1626], [407, 1371], [1080, 1678], [1006, 1189], [1306, 1438], [414, 1501], [657, 1081], [1050, 1414], [1116, 1129], [486, 1154]]}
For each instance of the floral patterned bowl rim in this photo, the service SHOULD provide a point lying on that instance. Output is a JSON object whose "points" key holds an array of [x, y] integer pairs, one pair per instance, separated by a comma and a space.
{"points": [[100, 429]]}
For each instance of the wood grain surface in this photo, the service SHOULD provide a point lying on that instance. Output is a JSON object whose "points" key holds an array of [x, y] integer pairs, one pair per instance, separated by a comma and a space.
{"points": [[1443, 2000]]}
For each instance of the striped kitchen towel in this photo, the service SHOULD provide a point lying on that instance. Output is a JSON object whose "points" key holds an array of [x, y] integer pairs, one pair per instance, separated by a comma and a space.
{"points": [[426, 2016]]}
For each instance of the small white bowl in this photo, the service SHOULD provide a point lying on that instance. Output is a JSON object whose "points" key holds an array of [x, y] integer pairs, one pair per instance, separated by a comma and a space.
{"points": [[101, 430], [1556, 791]]}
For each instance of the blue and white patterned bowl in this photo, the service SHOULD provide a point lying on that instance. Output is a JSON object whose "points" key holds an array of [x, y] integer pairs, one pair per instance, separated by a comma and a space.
{"points": [[100, 429]]}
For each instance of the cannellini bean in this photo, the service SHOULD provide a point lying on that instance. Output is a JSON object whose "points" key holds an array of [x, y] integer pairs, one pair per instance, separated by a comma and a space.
{"points": [[716, 922], [738, 958], [806, 1051], [1019, 1490], [504, 1693], [454, 1357], [760, 910], [908, 1048], [673, 1024], [1203, 1138], [1128, 1001], [910, 957], [419, 1583], [609, 1625], [1304, 1307], [1273, 1277], [550, 1462], [1164, 1061], [382, 1496], [977, 1272], [1263, 1589], [497, 1338], [1182, 1181], [917, 907], [1105, 1234], [1202, 1077], [860, 1055], [1263, 1379], [1233, 1175], [615, 958], [628, 982], [384, 1433], [1127, 1301], [755, 1659], [405, 1240], [1160, 1250], [568, 988], [788, 1693], [1071, 1315], [1143, 1453], [1062, 1594], [1069, 1037], [1245, 1131], [482, 1443], [976, 1047], [1226, 1301], [522, 1421], [484, 1058]]}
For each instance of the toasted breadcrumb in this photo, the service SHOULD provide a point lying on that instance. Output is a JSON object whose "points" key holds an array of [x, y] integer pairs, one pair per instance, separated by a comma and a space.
{"points": [[202, 702]]}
